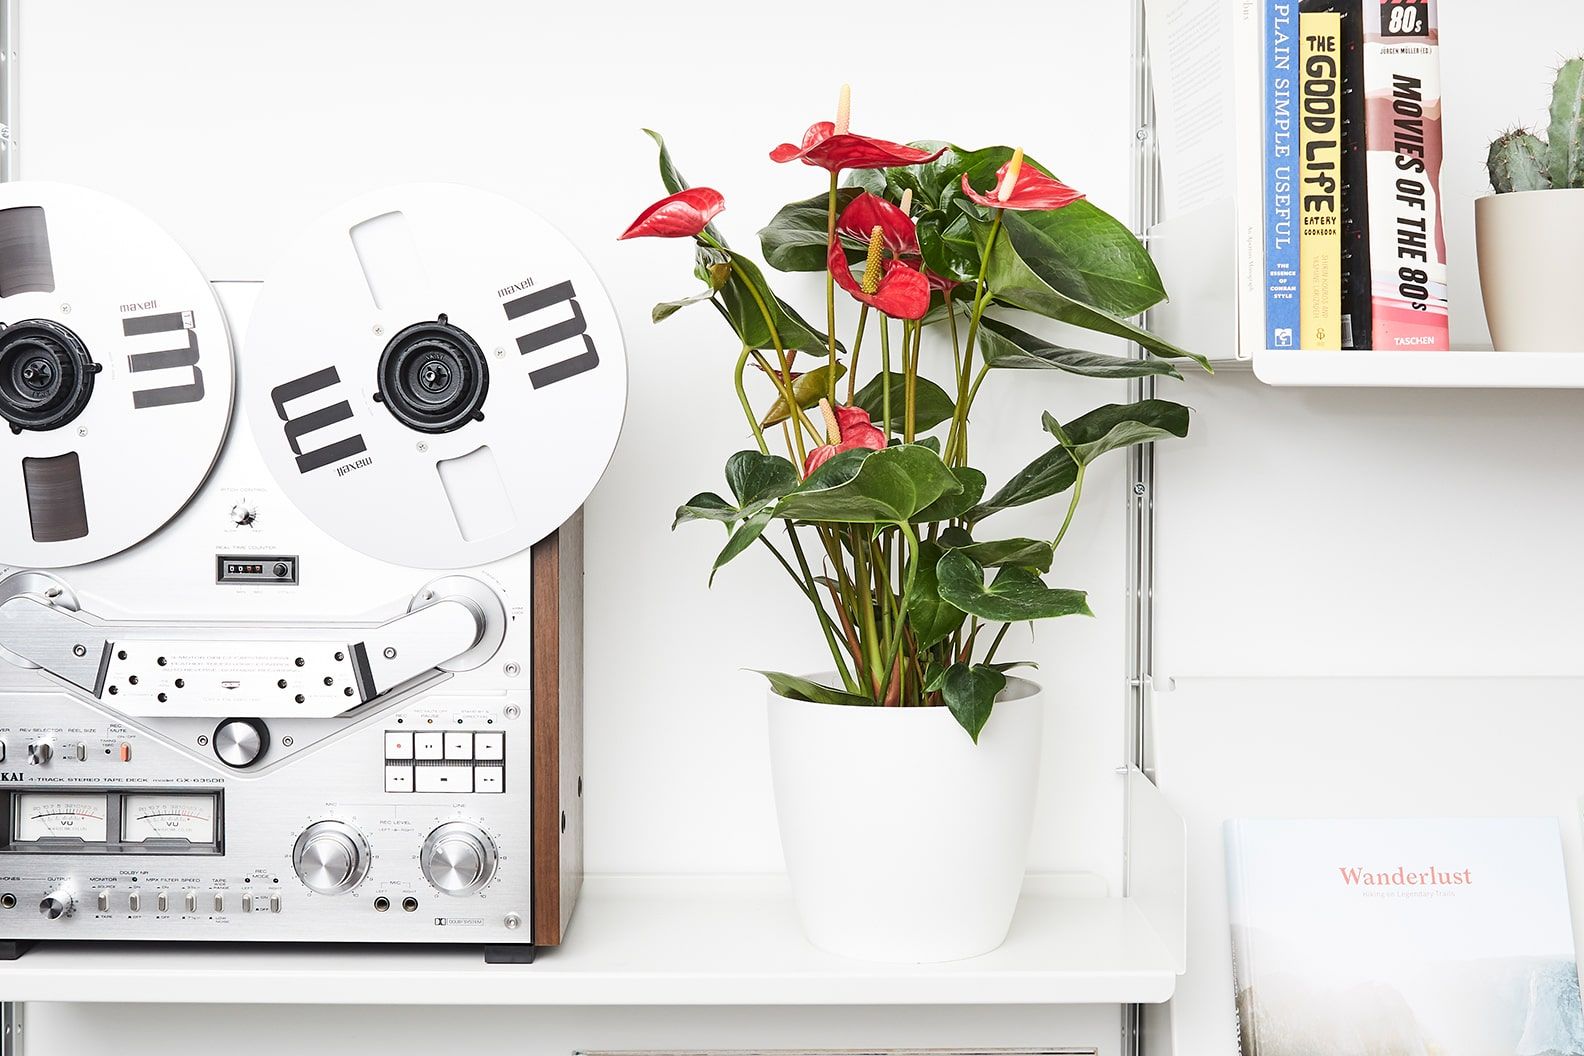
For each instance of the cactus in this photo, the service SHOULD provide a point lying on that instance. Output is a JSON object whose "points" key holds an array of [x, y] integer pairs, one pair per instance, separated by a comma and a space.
{"points": [[1522, 161], [1566, 158], [1518, 163]]}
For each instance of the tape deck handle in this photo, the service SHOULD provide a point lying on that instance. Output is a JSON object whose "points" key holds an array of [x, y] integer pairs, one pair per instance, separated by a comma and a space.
{"points": [[194, 670]]}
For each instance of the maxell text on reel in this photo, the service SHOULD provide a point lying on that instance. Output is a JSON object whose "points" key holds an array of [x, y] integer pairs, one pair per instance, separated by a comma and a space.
{"points": [[270, 719]]}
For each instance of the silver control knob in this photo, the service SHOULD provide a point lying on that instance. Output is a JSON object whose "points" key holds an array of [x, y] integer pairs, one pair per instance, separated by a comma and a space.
{"points": [[56, 904], [243, 514], [40, 753], [241, 742], [458, 858], [330, 857]]}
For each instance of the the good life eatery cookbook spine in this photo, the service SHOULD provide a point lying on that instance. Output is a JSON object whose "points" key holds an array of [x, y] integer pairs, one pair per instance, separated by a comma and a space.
{"points": [[1445, 937]]}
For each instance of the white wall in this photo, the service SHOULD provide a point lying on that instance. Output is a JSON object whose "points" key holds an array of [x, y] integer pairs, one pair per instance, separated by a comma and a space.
{"points": [[231, 124]]}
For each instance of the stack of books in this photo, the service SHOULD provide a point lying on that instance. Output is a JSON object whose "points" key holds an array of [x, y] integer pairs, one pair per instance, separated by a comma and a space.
{"points": [[1354, 252]]}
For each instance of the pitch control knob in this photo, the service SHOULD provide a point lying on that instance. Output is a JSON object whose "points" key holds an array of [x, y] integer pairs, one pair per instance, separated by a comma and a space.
{"points": [[330, 857], [244, 514], [56, 904], [458, 858], [241, 742]]}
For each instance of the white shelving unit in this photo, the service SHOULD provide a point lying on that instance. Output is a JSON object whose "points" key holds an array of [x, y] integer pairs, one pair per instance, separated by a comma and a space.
{"points": [[645, 942], [1474, 369]]}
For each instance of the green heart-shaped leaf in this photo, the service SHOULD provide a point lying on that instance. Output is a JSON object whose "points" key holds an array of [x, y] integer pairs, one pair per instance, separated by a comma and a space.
{"points": [[970, 693], [1008, 348], [951, 506], [1055, 471], [947, 245], [931, 405], [757, 478], [802, 689], [745, 536], [739, 306], [795, 238], [1024, 553], [706, 506], [1016, 594], [889, 487], [1119, 425]]}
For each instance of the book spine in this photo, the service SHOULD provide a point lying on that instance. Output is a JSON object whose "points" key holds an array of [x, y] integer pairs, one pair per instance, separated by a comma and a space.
{"points": [[1320, 179], [1248, 154], [1402, 81], [1281, 242]]}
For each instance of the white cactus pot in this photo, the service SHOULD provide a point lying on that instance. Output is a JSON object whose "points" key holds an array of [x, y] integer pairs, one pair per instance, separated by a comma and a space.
{"points": [[904, 840], [1531, 254]]}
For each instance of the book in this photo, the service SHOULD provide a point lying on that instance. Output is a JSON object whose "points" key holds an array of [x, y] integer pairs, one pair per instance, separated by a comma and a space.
{"points": [[1320, 179], [1402, 81], [1448, 936], [1280, 34], [1357, 295]]}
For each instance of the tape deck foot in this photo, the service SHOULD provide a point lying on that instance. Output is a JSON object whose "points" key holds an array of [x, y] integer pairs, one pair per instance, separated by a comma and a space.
{"points": [[11, 949], [510, 954]]}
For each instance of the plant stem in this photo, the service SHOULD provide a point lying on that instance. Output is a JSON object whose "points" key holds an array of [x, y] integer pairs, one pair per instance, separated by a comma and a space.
{"points": [[885, 376], [990, 656], [852, 369], [806, 586], [1072, 507], [797, 417], [742, 398], [956, 441], [907, 593], [830, 285], [910, 379]]}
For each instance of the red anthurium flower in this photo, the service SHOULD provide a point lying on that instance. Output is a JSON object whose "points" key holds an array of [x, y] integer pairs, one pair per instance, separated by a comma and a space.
{"points": [[867, 212], [682, 215], [1020, 186], [825, 148], [850, 429], [890, 279]]}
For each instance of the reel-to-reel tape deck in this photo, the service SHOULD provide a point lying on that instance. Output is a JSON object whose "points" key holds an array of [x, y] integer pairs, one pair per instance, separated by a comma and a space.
{"points": [[313, 675]]}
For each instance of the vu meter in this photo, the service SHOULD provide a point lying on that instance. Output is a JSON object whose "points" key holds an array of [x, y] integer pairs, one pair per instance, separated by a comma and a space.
{"points": [[54, 816]]}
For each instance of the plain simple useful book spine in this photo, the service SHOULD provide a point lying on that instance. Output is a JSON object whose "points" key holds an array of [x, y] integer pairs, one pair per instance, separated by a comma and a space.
{"points": [[1402, 78], [1279, 33], [1320, 179]]}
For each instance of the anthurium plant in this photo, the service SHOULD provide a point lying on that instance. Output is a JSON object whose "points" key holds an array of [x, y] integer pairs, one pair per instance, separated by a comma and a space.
{"points": [[883, 525]]}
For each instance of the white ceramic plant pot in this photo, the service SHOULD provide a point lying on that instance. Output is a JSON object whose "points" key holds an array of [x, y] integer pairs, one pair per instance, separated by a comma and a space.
{"points": [[904, 840], [1531, 254]]}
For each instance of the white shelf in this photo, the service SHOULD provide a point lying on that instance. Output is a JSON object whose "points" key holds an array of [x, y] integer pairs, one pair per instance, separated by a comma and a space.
{"points": [[719, 941], [1478, 369]]}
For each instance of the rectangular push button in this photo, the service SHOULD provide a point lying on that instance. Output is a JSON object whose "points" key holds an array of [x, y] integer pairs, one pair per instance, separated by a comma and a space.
{"points": [[398, 744], [399, 778], [489, 746], [489, 779], [430, 746], [459, 746], [445, 779]]}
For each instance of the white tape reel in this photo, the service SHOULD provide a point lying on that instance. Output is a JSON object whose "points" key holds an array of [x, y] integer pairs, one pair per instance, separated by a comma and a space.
{"points": [[115, 376], [435, 376]]}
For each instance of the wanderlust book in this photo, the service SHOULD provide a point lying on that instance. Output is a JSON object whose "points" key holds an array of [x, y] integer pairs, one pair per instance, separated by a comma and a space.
{"points": [[1402, 83], [1446, 937], [1320, 179]]}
